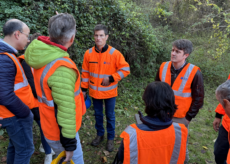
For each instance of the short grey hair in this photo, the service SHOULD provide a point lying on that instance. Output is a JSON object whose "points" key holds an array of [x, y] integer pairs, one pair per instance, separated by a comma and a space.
{"points": [[223, 92], [61, 28]]}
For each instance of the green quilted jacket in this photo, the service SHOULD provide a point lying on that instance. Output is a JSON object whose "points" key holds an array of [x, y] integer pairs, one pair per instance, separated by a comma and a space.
{"points": [[62, 83]]}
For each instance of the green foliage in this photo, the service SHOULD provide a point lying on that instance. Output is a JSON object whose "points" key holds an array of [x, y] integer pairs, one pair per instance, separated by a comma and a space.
{"points": [[130, 30]]}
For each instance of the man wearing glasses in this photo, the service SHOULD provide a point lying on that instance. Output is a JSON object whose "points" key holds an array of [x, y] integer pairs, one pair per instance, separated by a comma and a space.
{"points": [[16, 98]]}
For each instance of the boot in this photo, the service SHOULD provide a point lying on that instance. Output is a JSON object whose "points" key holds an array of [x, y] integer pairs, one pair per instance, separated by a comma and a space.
{"points": [[97, 140], [110, 145]]}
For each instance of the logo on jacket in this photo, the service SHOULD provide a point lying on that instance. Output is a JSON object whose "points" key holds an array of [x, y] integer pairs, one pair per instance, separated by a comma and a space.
{"points": [[106, 62], [184, 78]]}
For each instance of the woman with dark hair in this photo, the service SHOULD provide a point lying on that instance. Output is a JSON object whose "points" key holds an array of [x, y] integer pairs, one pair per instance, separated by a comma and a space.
{"points": [[157, 139]]}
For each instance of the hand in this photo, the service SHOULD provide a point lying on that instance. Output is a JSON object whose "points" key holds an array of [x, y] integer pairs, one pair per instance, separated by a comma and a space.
{"points": [[105, 81], [187, 121], [69, 155], [84, 94], [57, 13], [216, 124], [1, 119]]}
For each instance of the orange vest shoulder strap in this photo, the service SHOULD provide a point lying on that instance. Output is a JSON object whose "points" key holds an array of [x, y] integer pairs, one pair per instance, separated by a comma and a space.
{"points": [[165, 72]]}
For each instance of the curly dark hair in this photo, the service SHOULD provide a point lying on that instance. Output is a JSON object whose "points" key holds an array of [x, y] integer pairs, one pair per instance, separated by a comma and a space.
{"points": [[159, 100], [183, 44]]}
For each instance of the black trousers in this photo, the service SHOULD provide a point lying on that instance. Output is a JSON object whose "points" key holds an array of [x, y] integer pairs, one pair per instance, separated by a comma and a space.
{"points": [[221, 146]]}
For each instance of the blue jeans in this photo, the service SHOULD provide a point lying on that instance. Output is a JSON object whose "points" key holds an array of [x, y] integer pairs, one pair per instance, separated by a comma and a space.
{"points": [[110, 116], [21, 146], [77, 154], [45, 145]]}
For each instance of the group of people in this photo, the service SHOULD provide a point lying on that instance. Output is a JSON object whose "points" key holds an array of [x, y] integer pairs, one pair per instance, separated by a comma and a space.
{"points": [[45, 85]]}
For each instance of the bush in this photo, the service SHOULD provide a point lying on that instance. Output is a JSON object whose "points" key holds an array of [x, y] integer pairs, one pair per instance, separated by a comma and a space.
{"points": [[130, 30]]}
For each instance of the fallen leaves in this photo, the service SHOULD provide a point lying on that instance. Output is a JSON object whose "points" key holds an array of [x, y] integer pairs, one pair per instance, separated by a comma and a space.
{"points": [[4, 159], [205, 147], [106, 152], [104, 159]]}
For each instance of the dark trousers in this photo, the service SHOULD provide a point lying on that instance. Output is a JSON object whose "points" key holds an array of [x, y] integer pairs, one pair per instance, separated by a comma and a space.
{"points": [[110, 116], [221, 146], [20, 134]]}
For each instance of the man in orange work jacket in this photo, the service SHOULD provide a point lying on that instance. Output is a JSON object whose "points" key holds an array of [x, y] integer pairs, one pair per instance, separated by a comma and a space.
{"points": [[223, 96], [186, 81], [102, 68], [221, 145], [16, 98]]}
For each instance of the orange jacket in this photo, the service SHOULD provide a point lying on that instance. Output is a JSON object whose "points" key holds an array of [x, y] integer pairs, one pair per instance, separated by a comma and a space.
{"points": [[148, 147], [181, 87], [96, 66], [21, 88], [226, 119], [46, 104], [22, 57]]}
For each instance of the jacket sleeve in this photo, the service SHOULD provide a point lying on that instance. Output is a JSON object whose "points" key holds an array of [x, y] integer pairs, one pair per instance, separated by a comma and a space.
{"points": [[62, 84], [29, 76], [197, 96], [157, 78], [85, 73], [219, 111], [8, 98], [123, 68]]}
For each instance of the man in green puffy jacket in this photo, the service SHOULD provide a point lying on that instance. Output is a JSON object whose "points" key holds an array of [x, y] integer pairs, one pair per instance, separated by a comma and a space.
{"points": [[41, 52]]}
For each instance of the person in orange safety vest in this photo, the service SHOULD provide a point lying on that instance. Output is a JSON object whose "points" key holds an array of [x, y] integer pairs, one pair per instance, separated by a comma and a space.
{"points": [[103, 67], [221, 145], [157, 139], [186, 81], [223, 96], [16, 98]]}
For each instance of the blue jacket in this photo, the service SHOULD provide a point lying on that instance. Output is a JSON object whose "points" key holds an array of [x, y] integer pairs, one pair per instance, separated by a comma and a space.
{"points": [[8, 72]]}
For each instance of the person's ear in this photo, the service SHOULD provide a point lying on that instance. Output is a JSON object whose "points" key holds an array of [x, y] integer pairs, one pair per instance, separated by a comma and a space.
{"points": [[186, 55], [16, 34], [106, 37], [72, 39], [226, 103]]}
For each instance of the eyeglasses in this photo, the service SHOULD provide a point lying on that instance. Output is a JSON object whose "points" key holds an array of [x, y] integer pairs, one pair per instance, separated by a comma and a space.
{"points": [[28, 35]]}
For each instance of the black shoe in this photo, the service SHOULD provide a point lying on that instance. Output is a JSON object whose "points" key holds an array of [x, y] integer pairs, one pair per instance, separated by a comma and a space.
{"points": [[110, 145], [97, 140]]}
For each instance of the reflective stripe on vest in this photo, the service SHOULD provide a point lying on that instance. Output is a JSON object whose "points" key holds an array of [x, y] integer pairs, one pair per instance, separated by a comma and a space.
{"points": [[25, 82], [176, 149], [183, 83], [110, 52], [85, 79], [84, 70], [133, 145], [103, 88], [43, 99]]}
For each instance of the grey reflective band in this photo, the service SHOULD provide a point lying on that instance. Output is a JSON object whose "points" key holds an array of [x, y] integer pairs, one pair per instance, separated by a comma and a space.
{"points": [[107, 88], [100, 76], [84, 70], [93, 74], [77, 92], [111, 51], [25, 82], [125, 69], [92, 87], [90, 50], [104, 76], [44, 73], [85, 79], [49, 103], [132, 144], [121, 74], [177, 144], [164, 71], [183, 83]]}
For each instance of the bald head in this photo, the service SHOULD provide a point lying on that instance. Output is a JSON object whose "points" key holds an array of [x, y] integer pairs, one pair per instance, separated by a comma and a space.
{"points": [[12, 25]]}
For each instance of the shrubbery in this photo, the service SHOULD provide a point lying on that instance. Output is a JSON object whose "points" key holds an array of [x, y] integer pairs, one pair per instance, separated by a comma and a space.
{"points": [[130, 30]]}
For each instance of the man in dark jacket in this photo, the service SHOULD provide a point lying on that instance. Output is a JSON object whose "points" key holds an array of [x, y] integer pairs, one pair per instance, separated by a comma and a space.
{"points": [[15, 94], [186, 81]]}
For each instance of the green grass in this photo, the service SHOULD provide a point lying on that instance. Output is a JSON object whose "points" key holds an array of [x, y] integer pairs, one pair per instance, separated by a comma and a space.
{"points": [[201, 133]]}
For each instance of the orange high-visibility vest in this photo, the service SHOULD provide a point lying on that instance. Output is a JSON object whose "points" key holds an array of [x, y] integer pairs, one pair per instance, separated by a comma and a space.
{"points": [[228, 157], [226, 119], [21, 88], [22, 57], [147, 147], [97, 66], [181, 86], [46, 104]]}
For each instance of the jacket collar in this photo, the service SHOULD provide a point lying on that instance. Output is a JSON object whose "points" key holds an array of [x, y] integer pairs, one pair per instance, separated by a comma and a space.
{"points": [[46, 39], [5, 47], [105, 48]]}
